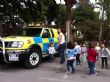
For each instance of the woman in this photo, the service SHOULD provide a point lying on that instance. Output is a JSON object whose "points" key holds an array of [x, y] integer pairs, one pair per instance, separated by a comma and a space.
{"points": [[61, 45]]}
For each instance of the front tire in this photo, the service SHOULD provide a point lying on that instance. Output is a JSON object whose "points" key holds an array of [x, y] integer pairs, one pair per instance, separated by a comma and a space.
{"points": [[33, 59]]}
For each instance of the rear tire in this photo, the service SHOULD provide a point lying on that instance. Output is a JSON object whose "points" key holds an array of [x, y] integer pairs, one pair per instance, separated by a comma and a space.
{"points": [[33, 60]]}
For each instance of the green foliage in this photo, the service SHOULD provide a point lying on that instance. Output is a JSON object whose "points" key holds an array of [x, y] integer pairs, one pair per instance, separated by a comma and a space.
{"points": [[19, 11], [87, 21], [83, 13], [52, 12], [104, 6], [62, 14]]}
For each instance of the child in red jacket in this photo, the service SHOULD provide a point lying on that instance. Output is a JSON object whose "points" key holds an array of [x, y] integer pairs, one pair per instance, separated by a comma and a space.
{"points": [[91, 58]]}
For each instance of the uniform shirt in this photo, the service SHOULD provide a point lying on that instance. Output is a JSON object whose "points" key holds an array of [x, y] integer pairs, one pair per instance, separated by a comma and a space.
{"points": [[62, 38], [70, 54], [51, 50]]}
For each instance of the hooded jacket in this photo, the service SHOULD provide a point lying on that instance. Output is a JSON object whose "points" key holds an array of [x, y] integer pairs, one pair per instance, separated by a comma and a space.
{"points": [[91, 55]]}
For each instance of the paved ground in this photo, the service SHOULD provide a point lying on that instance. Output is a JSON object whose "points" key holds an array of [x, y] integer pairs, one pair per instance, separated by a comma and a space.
{"points": [[51, 72]]}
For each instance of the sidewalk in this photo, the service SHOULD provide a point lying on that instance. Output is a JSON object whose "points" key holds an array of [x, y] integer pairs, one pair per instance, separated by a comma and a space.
{"points": [[53, 72], [81, 73]]}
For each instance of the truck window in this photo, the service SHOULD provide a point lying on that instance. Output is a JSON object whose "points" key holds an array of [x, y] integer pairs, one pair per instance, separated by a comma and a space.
{"points": [[46, 33], [29, 32]]}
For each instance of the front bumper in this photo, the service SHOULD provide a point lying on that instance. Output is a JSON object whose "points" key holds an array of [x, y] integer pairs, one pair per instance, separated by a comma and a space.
{"points": [[13, 55]]}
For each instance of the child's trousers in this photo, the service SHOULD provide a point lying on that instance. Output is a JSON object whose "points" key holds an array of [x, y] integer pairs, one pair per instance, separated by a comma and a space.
{"points": [[70, 65], [104, 62]]}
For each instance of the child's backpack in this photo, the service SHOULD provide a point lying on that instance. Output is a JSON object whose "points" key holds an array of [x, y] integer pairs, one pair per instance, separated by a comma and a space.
{"points": [[105, 52]]}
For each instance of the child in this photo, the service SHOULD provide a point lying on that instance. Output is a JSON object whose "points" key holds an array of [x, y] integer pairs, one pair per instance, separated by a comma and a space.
{"points": [[78, 53], [70, 54], [84, 52], [97, 48], [91, 58], [104, 53], [52, 51]]}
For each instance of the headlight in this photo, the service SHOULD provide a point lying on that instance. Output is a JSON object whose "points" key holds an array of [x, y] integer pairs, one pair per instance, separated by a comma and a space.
{"points": [[17, 44], [20, 44], [14, 44]]}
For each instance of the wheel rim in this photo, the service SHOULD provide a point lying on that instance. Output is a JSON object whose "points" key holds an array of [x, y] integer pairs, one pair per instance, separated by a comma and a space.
{"points": [[34, 59]]}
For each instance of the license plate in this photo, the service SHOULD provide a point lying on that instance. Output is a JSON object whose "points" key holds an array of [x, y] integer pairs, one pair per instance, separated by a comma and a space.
{"points": [[13, 57]]}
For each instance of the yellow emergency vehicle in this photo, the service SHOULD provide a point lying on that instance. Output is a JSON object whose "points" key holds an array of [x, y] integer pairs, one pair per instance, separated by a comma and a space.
{"points": [[28, 45]]}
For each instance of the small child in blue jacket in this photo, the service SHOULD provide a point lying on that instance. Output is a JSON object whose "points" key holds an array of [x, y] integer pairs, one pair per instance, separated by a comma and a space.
{"points": [[70, 54]]}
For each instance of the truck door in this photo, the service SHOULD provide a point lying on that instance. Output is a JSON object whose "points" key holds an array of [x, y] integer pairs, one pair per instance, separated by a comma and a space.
{"points": [[55, 37], [45, 39]]}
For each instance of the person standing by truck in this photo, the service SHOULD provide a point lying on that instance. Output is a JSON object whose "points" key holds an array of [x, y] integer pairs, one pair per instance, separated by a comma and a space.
{"points": [[52, 52], [61, 45]]}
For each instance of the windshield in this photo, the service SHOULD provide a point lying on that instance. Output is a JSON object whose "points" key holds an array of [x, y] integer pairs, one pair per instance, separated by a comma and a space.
{"points": [[29, 32]]}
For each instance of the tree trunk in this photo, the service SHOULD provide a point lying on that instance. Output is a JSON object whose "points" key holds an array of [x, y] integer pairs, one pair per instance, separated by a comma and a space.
{"points": [[68, 30], [101, 27], [68, 22]]}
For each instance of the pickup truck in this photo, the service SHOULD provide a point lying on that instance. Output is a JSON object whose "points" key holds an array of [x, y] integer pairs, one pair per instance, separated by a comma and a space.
{"points": [[28, 45]]}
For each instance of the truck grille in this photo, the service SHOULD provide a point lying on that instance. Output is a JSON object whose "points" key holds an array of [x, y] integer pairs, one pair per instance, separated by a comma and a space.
{"points": [[7, 44]]}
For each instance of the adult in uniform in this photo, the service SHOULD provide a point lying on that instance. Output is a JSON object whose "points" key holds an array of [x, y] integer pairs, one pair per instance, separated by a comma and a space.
{"points": [[61, 45]]}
